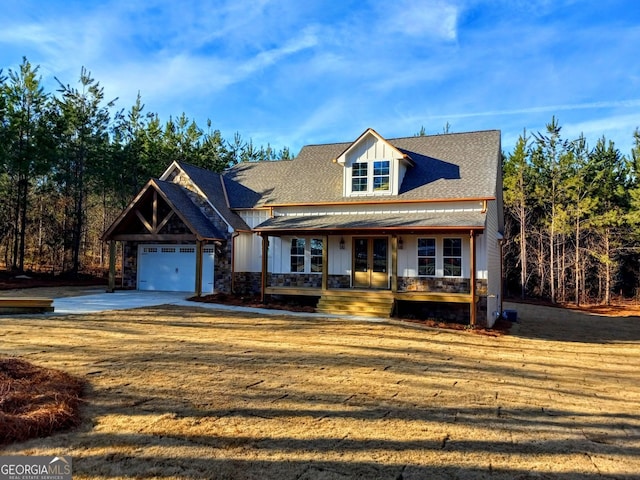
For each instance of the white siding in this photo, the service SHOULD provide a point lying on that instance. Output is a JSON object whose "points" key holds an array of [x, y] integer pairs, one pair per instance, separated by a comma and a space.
{"points": [[253, 217], [494, 261], [408, 256], [371, 149], [248, 246], [339, 260], [427, 207], [280, 255], [248, 253]]}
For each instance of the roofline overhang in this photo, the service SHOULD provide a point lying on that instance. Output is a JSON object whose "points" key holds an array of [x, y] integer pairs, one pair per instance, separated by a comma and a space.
{"points": [[401, 154]]}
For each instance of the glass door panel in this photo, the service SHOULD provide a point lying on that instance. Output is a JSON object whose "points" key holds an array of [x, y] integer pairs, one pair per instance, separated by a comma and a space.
{"points": [[379, 275], [361, 263], [370, 263]]}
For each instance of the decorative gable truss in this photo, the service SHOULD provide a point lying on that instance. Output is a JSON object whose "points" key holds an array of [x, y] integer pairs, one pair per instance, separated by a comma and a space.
{"points": [[162, 212], [372, 166]]}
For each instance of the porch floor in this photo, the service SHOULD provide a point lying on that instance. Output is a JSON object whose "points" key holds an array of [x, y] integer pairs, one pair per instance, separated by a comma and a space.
{"points": [[444, 297]]}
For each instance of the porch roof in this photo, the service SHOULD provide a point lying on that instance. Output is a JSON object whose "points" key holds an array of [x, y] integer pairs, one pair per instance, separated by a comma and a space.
{"points": [[401, 222]]}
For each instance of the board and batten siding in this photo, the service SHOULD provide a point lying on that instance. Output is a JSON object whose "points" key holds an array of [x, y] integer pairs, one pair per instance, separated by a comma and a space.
{"points": [[371, 149], [248, 246], [494, 260], [379, 208]]}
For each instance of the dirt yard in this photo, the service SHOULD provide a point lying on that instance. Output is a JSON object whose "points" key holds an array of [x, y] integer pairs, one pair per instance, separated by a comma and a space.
{"points": [[199, 394]]}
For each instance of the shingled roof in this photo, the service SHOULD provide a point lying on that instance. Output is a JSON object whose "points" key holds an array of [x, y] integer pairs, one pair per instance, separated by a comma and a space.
{"points": [[193, 216], [447, 167], [414, 221], [211, 184]]}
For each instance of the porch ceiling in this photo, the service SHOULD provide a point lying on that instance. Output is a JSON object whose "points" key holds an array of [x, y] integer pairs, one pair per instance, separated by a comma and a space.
{"points": [[400, 223]]}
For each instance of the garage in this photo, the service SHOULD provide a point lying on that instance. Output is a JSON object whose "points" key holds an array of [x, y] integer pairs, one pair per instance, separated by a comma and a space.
{"points": [[172, 268]]}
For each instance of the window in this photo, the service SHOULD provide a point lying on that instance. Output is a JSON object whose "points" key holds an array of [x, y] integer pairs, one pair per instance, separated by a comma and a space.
{"points": [[427, 256], [297, 255], [316, 255], [381, 175], [306, 255], [452, 257], [359, 177]]}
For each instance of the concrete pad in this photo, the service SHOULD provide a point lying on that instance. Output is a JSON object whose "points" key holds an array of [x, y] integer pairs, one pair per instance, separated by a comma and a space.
{"points": [[128, 299], [124, 300]]}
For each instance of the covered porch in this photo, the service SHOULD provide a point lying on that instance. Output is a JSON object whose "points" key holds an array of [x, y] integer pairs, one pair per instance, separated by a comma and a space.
{"points": [[362, 266]]}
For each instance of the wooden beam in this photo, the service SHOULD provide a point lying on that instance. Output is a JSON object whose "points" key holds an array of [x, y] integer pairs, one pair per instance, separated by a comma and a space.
{"points": [[145, 237], [440, 297], [112, 267], [265, 266], [199, 254], [144, 222], [472, 248], [325, 262], [164, 221], [394, 263], [154, 215]]}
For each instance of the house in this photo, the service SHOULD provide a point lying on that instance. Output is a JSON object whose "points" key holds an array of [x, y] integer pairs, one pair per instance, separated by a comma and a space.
{"points": [[369, 225]]}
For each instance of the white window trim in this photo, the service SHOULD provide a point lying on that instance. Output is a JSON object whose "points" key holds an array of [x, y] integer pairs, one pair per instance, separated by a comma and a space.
{"points": [[440, 257], [435, 257], [461, 257], [307, 254], [370, 176]]}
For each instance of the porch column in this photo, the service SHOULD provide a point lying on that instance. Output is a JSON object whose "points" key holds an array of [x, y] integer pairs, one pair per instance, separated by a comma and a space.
{"points": [[265, 265], [325, 263], [112, 266], [394, 263], [199, 253], [472, 249]]}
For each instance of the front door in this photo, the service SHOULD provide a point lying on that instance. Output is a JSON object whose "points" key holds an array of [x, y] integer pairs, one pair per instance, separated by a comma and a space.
{"points": [[370, 262]]}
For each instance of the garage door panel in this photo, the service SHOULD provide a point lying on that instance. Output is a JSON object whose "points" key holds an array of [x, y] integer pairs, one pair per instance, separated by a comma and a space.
{"points": [[173, 268]]}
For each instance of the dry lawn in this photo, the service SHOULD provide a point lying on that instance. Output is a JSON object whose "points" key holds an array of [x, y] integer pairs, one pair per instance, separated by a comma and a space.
{"points": [[196, 394]]}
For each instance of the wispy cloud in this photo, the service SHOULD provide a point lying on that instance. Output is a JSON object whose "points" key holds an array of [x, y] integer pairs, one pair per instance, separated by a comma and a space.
{"points": [[631, 103], [313, 71], [434, 19]]}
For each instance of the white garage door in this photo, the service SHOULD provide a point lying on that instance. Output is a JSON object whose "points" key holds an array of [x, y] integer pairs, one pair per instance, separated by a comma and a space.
{"points": [[172, 268]]}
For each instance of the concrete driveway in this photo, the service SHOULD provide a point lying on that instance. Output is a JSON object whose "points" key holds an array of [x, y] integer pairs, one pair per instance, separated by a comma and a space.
{"points": [[125, 300], [100, 302]]}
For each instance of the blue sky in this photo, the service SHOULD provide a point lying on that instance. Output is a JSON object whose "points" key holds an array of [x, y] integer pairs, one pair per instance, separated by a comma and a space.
{"points": [[291, 72]]}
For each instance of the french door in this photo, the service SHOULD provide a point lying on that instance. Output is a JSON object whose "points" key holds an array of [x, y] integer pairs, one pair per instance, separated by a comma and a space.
{"points": [[371, 262]]}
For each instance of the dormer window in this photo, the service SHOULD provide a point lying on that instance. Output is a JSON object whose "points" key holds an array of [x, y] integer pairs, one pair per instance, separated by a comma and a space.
{"points": [[369, 177], [359, 177], [373, 166], [381, 175]]}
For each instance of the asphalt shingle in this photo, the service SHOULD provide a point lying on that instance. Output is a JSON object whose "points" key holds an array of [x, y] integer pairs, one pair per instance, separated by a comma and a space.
{"points": [[450, 166]]}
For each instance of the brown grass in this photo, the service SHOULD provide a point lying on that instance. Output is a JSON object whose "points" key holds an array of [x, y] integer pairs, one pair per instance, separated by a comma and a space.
{"points": [[188, 393], [35, 401]]}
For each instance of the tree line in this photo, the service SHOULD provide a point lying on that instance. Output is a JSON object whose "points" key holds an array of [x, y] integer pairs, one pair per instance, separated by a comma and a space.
{"points": [[571, 218], [70, 162]]}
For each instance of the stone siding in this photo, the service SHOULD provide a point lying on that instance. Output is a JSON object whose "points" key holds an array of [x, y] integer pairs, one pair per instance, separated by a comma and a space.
{"points": [[441, 285], [297, 280], [130, 265], [248, 283], [339, 281]]}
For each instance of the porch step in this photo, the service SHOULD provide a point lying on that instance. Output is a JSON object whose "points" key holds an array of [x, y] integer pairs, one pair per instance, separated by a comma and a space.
{"points": [[356, 304], [25, 305]]}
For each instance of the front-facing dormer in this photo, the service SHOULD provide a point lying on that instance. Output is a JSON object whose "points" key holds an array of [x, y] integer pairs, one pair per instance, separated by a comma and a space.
{"points": [[372, 166]]}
